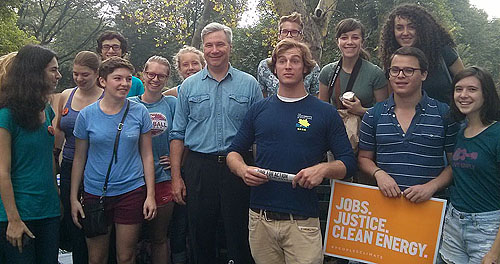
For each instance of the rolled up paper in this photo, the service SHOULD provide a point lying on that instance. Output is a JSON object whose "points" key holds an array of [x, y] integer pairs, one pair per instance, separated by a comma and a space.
{"points": [[276, 175]]}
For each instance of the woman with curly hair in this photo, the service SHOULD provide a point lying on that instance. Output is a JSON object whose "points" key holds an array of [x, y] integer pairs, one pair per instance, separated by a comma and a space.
{"points": [[413, 25], [29, 204]]}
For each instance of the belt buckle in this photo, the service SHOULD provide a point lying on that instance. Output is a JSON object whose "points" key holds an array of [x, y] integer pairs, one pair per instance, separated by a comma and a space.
{"points": [[221, 159]]}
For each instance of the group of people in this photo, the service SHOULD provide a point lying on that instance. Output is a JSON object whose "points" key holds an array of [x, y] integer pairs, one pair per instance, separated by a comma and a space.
{"points": [[213, 149]]}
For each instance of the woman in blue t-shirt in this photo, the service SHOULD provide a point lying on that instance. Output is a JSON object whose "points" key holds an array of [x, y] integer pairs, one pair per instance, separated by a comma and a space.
{"points": [[161, 109], [412, 25], [470, 233], [29, 205], [126, 201]]}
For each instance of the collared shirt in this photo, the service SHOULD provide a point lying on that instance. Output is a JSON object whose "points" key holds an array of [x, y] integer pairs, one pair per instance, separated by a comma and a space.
{"points": [[209, 113], [414, 157], [269, 82]]}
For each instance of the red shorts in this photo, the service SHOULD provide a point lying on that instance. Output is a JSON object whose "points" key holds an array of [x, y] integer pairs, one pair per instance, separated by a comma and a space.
{"points": [[123, 209], [163, 193]]}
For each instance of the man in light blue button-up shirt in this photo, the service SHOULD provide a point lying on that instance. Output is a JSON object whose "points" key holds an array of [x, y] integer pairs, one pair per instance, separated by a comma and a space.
{"points": [[210, 108]]}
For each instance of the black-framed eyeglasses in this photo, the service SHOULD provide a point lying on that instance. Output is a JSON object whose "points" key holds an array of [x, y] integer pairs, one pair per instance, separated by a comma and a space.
{"points": [[114, 47], [293, 33], [152, 75], [407, 71]]}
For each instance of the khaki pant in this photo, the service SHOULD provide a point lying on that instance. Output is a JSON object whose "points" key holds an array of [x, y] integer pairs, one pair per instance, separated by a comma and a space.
{"points": [[285, 241]]}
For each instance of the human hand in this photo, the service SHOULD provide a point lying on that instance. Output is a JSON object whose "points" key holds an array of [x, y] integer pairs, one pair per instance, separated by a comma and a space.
{"points": [[387, 184], [14, 233], [165, 162], [149, 208], [309, 177], [419, 193], [251, 176], [354, 107], [179, 190], [76, 213]]}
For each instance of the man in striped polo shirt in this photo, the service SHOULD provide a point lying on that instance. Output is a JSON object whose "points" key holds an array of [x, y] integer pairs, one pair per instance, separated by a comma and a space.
{"points": [[403, 139]]}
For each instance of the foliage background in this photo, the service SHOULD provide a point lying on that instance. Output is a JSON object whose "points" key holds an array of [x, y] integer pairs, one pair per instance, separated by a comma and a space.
{"points": [[161, 27]]}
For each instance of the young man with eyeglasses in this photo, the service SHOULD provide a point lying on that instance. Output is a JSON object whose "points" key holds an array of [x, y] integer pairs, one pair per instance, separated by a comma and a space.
{"points": [[403, 139], [290, 26], [113, 44]]}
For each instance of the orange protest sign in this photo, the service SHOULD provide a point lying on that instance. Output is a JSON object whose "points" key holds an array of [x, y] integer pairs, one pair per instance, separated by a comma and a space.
{"points": [[366, 226]]}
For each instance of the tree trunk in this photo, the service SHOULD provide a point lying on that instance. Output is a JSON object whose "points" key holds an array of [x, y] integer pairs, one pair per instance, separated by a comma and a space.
{"points": [[208, 7], [315, 25]]}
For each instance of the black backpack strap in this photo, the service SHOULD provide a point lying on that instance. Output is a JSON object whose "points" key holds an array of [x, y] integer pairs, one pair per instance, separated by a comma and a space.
{"points": [[115, 151]]}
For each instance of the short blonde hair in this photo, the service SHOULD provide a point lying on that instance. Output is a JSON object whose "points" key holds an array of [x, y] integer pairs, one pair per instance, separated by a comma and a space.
{"points": [[160, 60], [187, 49], [287, 44]]}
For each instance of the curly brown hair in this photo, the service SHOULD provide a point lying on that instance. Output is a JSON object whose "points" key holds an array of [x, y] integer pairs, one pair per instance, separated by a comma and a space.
{"points": [[431, 36]]}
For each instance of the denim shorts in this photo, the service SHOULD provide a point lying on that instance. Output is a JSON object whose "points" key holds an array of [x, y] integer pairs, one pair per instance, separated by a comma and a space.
{"points": [[467, 237]]}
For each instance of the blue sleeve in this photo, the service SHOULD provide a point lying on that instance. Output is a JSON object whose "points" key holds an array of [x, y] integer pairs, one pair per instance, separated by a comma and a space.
{"points": [[367, 132], [80, 130], [245, 137], [339, 143], [180, 116]]}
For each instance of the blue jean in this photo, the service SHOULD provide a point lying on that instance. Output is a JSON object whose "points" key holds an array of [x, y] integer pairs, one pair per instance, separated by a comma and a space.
{"points": [[467, 237], [45, 248]]}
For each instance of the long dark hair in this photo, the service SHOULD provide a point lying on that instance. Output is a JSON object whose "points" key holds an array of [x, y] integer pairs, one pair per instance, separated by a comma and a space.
{"points": [[489, 110], [25, 90], [431, 36]]}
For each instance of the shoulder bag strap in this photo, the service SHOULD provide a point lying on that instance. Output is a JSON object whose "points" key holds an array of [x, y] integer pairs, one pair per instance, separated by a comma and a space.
{"points": [[334, 85], [335, 74], [115, 152]]}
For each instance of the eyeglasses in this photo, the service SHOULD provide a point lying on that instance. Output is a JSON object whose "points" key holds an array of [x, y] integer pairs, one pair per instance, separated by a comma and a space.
{"points": [[152, 75], [114, 47], [293, 33], [407, 71]]}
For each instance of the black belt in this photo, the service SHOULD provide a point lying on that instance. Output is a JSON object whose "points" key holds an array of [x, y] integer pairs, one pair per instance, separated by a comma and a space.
{"points": [[269, 215], [213, 157]]}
